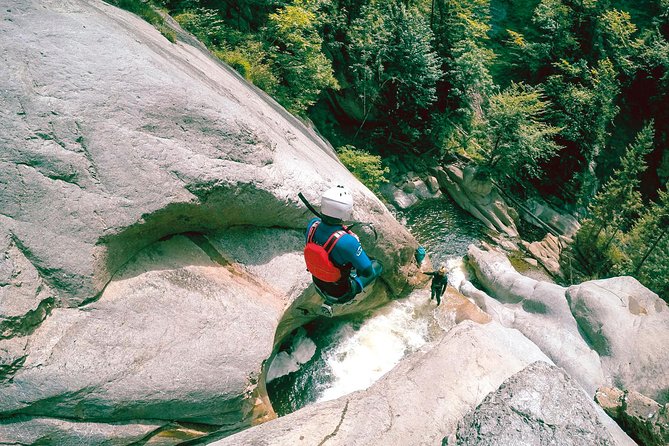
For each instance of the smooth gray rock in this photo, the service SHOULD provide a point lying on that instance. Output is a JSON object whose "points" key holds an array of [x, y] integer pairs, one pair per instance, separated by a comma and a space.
{"points": [[25, 299], [479, 198], [418, 402], [175, 336], [114, 137], [629, 326], [540, 311], [25, 430], [535, 208], [398, 197], [539, 405]]}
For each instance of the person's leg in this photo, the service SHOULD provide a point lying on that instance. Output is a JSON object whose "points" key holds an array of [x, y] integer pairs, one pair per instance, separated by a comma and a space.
{"points": [[432, 291], [437, 294]]}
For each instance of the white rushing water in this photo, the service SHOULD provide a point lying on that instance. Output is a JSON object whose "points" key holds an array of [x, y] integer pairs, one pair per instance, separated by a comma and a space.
{"points": [[352, 355], [360, 357], [302, 349]]}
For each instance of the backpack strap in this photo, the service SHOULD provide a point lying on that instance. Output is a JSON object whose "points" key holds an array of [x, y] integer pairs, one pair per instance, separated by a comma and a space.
{"points": [[332, 241], [312, 231]]}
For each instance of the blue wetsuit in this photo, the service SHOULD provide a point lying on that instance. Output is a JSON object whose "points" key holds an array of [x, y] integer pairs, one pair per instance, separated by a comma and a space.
{"points": [[346, 255]]}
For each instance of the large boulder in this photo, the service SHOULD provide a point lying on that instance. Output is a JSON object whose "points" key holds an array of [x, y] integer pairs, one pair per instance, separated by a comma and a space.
{"points": [[539, 310], [114, 138], [547, 252], [150, 348], [420, 401], [538, 405], [115, 141], [479, 197], [535, 208], [629, 326], [26, 430]]}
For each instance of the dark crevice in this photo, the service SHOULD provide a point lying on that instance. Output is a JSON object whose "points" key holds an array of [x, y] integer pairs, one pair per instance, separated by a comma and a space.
{"points": [[7, 371], [341, 421], [26, 325], [205, 245]]}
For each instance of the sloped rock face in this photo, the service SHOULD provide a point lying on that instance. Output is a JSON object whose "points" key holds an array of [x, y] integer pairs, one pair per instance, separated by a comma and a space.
{"points": [[479, 198], [539, 310], [114, 138], [31, 430], [418, 402], [155, 346], [114, 141], [539, 405], [629, 326]]}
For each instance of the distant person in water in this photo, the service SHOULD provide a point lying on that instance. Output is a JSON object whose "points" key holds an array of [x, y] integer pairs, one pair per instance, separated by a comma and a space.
{"points": [[439, 282]]}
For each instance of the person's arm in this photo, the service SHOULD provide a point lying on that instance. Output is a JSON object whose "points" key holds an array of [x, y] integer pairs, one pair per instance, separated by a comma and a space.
{"points": [[349, 250], [433, 273]]}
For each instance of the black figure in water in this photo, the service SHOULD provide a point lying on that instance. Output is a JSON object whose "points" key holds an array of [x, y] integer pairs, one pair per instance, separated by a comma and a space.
{"points": [[439, 282]]}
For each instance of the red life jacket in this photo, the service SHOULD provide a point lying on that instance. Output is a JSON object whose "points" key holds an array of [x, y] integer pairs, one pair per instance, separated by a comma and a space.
{"points": [[317, 257]]}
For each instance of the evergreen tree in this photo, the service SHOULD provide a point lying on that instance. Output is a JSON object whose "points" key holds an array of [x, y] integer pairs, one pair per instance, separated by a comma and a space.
{"points": [[620, 200], [614, 208], [618, 43], [514, 137], [394, 67], [550, 39], [648, 246], [584, 100]]}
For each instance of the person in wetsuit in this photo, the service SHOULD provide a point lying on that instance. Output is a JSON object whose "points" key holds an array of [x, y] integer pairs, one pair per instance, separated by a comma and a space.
{"points": [[344, 269], [439, 283]]}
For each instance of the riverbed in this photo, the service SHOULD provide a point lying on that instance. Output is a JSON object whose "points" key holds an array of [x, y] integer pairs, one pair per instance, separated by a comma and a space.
{"points": [[330, 358]]}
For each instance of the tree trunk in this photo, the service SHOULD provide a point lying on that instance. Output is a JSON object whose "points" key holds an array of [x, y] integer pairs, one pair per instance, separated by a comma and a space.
{"points": [[645, 256]]}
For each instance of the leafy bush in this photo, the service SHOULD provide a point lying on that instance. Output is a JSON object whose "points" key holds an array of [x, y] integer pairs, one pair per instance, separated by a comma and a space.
{"points": [[296, 50], [240, 51], [365, 166], [236, 60], [146, 11]]}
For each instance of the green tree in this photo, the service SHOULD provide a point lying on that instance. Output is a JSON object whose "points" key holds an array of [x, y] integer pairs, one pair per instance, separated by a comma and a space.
{"points": [[296, 49], [584, 101], [614, 208], [461, 30], [648, 246], [620, 201], [515, 138], [394, 68], [618, 42], [551, 37], [366, 167]]}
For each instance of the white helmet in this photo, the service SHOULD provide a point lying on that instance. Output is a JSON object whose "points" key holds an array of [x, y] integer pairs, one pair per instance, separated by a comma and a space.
{"points": [[337, 202]]}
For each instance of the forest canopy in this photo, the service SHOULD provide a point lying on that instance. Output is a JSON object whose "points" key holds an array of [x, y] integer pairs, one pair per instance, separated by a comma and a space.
{"points": [[564, 98]]}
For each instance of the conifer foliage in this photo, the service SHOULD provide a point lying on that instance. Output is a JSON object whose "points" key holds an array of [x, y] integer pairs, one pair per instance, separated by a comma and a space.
{"points": [[543, 95]]}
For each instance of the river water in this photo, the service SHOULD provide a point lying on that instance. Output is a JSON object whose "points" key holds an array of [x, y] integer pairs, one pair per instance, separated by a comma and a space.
{"points": [[329, 358]]}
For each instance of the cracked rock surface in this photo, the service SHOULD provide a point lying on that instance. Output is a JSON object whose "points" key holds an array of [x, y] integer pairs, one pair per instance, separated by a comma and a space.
{"points": [[539, 405]]}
